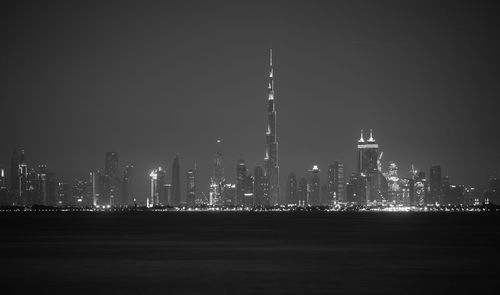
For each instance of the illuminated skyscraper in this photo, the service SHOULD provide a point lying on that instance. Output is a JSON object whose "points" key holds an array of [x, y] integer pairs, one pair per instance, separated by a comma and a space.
{"points": [[152, 200], [420, 189], [191, 187], [435, 182], [394, 184], [23, 179], [176, 182], [271, 158], [367, 155], [314, 187], [291, 189], [368, 169], [112, 181], [93, 188], [217, 181]]}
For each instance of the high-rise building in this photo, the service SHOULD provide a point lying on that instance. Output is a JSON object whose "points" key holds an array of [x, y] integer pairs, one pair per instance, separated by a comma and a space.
{"points": [[14, 176], [93, 188], [191, 187], [162, 197], [23, 179], [41, 186], [248, 196], [394, 184], [446, 194], [291, 190], [127, 188], [471, 196], [271, 157], [314, 187], [260, 187], [152, 200], [31, 187], [217, 181], [302, 192], [241, 175], [111, 180], [159, 189], [228, 194], [492, 195], [324, 197], [420, 190], [367, 155], [78, 193], [4, 191], [368, 169], [52, 189], [62, 194], [176, 182], [356, 189], [336, 182], [435, 183]]}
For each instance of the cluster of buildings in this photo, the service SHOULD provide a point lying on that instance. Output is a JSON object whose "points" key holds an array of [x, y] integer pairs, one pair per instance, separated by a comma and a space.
{"points": [[368, 185], [40, 186], [31, 185], [165, 193], [259, 190]]}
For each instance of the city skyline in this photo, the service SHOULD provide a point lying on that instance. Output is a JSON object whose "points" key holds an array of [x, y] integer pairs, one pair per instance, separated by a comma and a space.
{"points": [[155, 101]]}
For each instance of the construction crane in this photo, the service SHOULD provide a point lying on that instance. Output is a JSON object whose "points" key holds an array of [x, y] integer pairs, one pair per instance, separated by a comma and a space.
{"points": [[379, 162]]}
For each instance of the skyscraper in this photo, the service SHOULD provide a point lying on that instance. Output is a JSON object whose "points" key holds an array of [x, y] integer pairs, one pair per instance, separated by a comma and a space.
{"points": [[217, 181], [23, 179], [314, 186], [152, 200], [271, 157], [241, 175], [435, 183], [176, 182], [112, 180], [127, 193], [14, 175], [162, 191], [368, 168], [302, 192], [4, 198], [367, 155], [260, 187], [249, 199], [336, 182], [291, 189], [324, 197], [191, 187]]}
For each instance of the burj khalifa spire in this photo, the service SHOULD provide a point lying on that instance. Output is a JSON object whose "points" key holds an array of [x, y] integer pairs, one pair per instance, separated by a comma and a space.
{"points": [[271, 159]]}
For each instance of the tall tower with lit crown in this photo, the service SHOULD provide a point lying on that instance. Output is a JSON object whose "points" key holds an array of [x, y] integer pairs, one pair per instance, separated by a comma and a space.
{"points": [[271, 158]]}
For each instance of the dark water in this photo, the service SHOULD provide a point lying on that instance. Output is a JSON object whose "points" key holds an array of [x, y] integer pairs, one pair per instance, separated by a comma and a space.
{"points": [[235, 253]]}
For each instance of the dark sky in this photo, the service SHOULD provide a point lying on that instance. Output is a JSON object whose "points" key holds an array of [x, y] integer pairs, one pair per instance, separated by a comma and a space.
{"points": [[152, 79]]}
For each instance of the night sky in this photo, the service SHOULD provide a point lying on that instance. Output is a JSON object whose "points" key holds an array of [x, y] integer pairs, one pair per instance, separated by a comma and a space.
{"points": [[153, 79]]}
